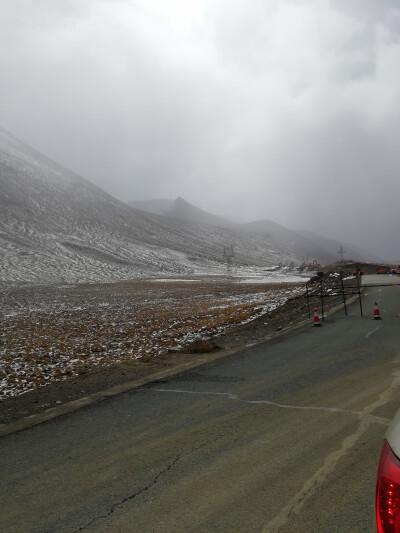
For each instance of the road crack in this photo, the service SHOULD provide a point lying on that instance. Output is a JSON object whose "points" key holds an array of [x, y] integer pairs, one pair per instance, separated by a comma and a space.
{"points": [[150, 485], [362, 415]]}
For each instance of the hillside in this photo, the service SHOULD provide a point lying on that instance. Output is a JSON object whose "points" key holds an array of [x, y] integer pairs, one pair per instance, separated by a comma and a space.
{"points": [[351, 251], [181, 210], [58, 227], [307, 245]]}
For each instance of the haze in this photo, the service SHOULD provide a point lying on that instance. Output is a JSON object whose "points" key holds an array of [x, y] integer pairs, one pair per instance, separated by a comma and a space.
{"points": [[286, 110]]}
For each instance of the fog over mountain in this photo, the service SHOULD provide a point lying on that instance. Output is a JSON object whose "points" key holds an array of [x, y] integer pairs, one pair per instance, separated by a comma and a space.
{"points": [[265, 110]]}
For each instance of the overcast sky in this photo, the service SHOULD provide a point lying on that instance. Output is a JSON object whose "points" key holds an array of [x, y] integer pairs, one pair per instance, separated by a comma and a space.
{"points": [[279, 109]]}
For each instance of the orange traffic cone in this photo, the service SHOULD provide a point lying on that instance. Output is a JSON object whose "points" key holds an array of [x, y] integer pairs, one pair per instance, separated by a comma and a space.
{"points": [[317, 323], [377, 315]]}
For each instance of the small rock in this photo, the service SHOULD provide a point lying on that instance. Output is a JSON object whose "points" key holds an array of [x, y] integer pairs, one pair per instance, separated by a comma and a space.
{"points": [[175, 349], [202, 346]]}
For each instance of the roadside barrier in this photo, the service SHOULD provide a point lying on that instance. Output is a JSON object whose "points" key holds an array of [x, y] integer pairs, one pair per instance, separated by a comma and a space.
{"points": [[327, 285], [316, 323], [377, 315]]}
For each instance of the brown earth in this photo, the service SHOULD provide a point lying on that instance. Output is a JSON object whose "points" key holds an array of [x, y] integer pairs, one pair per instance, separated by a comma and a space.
{"points": [[220, 330]]}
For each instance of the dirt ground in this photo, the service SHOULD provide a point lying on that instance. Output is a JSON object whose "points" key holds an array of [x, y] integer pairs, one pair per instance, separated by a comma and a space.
{"points": [[128, 331]]}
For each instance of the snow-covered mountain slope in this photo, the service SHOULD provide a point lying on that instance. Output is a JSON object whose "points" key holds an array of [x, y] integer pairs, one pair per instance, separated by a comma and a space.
{"points": [[57, 227]]}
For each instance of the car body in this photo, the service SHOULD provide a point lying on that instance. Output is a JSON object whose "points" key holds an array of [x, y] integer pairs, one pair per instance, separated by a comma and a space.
{"points": [[387, 505]]}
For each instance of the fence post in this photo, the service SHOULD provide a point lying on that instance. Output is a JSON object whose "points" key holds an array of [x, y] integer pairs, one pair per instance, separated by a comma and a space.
{"points": [[343, 293], [359, 294], [322, 303]]}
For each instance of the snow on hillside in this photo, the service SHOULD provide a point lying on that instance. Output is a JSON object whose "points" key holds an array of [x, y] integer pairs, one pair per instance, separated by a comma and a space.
{"points": [[57, 227]]}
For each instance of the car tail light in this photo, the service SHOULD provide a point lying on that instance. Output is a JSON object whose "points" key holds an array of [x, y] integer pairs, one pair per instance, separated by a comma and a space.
{"points": [[388, 492]]}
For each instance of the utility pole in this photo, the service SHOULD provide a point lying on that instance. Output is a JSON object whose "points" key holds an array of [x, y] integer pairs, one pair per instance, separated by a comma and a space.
{"points": [[228, 254], [341, 252]]}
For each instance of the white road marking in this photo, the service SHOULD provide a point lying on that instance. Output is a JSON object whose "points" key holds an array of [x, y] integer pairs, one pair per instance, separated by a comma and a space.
{"points": [[371, 332]]}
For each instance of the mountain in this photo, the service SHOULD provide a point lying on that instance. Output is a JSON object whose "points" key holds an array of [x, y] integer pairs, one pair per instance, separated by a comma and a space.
{"points": [[311, 246], [306, 244], [158, 206], [351, 251], [182, 210], [58, 227]]}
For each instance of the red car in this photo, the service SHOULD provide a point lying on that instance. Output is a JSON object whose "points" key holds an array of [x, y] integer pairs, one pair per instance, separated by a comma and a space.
{"points": [[388, 481]]}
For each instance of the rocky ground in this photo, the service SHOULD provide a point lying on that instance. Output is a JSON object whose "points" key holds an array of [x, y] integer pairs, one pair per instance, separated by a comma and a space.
{"points": [[63, 343]]}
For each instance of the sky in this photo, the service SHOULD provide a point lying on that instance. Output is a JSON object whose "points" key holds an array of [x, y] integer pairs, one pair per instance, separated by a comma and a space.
{"points": [[287, 110]]}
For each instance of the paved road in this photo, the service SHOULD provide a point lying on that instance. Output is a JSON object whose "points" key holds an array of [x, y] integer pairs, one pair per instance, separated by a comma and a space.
{"points": [[283, 437], [380, 279]]}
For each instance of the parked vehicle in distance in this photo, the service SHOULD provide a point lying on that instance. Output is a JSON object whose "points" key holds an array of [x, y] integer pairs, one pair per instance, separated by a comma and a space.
{"points": [[387, 504]]}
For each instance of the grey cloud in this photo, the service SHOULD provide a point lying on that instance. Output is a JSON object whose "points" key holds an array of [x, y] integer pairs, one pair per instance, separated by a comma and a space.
{"points": [[370, 10], [276, 109]]}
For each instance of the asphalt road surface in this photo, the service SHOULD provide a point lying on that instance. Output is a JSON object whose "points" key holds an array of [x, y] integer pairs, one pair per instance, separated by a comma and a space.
{"points": [[282, 437]]}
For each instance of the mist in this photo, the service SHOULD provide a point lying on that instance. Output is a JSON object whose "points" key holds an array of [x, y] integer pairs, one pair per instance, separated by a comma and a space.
{"points": [[284, 110]]}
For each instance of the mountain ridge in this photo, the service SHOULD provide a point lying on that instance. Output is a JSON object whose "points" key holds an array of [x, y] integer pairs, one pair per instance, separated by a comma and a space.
{"points": [[307, 244], [182, 210]]}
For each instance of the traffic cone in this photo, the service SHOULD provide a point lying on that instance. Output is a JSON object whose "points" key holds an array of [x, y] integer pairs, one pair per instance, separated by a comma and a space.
{"points": [[377, 315], [317, 323]]}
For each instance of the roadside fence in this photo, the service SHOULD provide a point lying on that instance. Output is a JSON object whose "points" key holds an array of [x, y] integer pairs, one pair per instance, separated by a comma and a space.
{"points": [[333, 284]]}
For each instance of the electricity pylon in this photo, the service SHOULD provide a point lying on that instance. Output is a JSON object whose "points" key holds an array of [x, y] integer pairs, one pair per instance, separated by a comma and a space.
{"points": [[341, 252]]}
